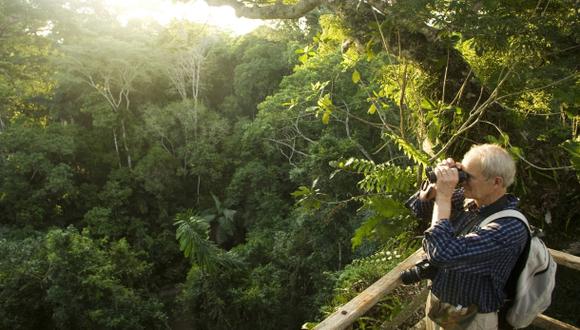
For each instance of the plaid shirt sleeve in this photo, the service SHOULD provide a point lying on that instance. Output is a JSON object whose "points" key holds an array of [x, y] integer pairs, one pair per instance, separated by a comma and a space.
{"points": [[423, 209], [474, 251]]}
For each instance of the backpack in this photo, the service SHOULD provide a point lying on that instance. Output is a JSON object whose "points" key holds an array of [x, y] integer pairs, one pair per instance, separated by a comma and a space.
{"points": [[533, 278]]}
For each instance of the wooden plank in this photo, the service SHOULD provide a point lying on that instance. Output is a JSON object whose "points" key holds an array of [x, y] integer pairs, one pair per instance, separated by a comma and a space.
{"points": [[348, 313], [548, 323], [566, 259]]}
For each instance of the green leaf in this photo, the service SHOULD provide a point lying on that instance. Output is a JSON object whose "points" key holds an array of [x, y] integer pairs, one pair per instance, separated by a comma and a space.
{"points": [[302, 191], [364, 231], [229, 214], [387, 207], [315, 182], [335, 172], [518, 152], [390, 91], [427, 104], [326, 118], [372, 109], [355, 77], [491, 139], [325, 103], [217, 203], [349, 161]]}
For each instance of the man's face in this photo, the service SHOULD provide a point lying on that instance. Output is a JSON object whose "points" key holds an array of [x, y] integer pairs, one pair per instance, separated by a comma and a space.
{"points": [[477, 186]]}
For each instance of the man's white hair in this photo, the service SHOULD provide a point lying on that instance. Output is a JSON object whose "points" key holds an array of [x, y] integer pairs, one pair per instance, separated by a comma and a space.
{"points": [[494, 161]]}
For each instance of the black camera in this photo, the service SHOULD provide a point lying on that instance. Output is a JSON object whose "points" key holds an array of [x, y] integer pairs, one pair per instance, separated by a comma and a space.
{"points": [[463, 176], [423, 270]]}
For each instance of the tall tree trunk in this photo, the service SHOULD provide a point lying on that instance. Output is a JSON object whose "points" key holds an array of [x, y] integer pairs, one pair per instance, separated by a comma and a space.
{"points": [[126, 145], [195, 85], [115, 140]]}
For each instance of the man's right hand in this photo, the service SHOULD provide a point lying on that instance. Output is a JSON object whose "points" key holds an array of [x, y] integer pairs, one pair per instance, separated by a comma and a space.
{"points": [[450, 163], [447, 179]]}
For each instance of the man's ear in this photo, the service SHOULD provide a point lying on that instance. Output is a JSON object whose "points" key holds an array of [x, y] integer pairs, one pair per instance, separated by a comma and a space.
{"points": [[498, 180]]}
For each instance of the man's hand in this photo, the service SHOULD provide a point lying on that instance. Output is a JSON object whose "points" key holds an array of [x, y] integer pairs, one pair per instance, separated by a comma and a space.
{"points": [[447, 179], [449, 162]]}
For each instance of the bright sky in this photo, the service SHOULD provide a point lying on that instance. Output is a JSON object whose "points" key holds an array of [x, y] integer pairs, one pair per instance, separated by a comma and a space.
{"points": [[195, 10]]}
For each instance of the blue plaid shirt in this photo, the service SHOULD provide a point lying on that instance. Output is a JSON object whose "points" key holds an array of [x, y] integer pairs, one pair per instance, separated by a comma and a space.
{"points": [[474, 263]]}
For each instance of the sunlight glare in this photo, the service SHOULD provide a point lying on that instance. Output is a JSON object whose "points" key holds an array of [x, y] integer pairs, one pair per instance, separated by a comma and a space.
{"points": [[164, 11]]}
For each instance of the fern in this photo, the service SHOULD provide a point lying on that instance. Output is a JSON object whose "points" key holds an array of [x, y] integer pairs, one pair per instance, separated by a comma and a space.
{"points": [[361, 166], [408, 149], [381, 178], [387, 178], [385, 185]]}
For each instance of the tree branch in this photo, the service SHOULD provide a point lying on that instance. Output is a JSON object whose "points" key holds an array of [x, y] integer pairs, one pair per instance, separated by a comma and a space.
{"points": [[538, 88], [297, 130], [475, 115], [273, 11], [294, 150], [525, 160]]}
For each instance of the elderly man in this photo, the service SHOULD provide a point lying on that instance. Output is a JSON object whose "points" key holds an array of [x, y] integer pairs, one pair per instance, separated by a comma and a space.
{"points": [[473, 262]]}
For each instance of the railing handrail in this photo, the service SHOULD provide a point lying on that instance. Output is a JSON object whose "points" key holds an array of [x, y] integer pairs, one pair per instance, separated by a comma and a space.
{"points": [[359, 305], [348, 313], [565, 259]]}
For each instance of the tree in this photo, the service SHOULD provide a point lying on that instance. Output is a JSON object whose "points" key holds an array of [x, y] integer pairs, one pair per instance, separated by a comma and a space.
{"points": [[261, 65], [109, 293], [185, 74], [37, 177], [25, 81], [110, 66]]}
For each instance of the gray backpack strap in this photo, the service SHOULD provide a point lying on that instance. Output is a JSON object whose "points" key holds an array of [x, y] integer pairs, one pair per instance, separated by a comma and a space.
{"points": [[506, 214]]}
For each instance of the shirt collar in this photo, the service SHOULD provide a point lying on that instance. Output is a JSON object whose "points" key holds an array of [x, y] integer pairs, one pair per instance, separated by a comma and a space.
{"points": [[504, 202]]}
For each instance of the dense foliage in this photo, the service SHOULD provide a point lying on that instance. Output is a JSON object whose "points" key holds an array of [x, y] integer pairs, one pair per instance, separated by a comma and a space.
{"points": [[180, 177]]}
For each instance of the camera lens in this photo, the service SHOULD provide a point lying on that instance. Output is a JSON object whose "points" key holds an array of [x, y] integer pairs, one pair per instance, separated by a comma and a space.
{"points": [[410, 276], [423, 270]]}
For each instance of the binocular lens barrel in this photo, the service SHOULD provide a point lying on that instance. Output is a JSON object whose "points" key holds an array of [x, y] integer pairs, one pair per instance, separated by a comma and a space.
{"points": [[433, 178]]}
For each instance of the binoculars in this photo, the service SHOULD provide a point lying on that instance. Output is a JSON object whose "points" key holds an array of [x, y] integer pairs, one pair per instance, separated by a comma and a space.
{"points": [[463, 176]]}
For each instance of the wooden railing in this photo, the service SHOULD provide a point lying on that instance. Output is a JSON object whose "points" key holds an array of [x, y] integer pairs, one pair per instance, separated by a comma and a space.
{"points": [[347, 314]]}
